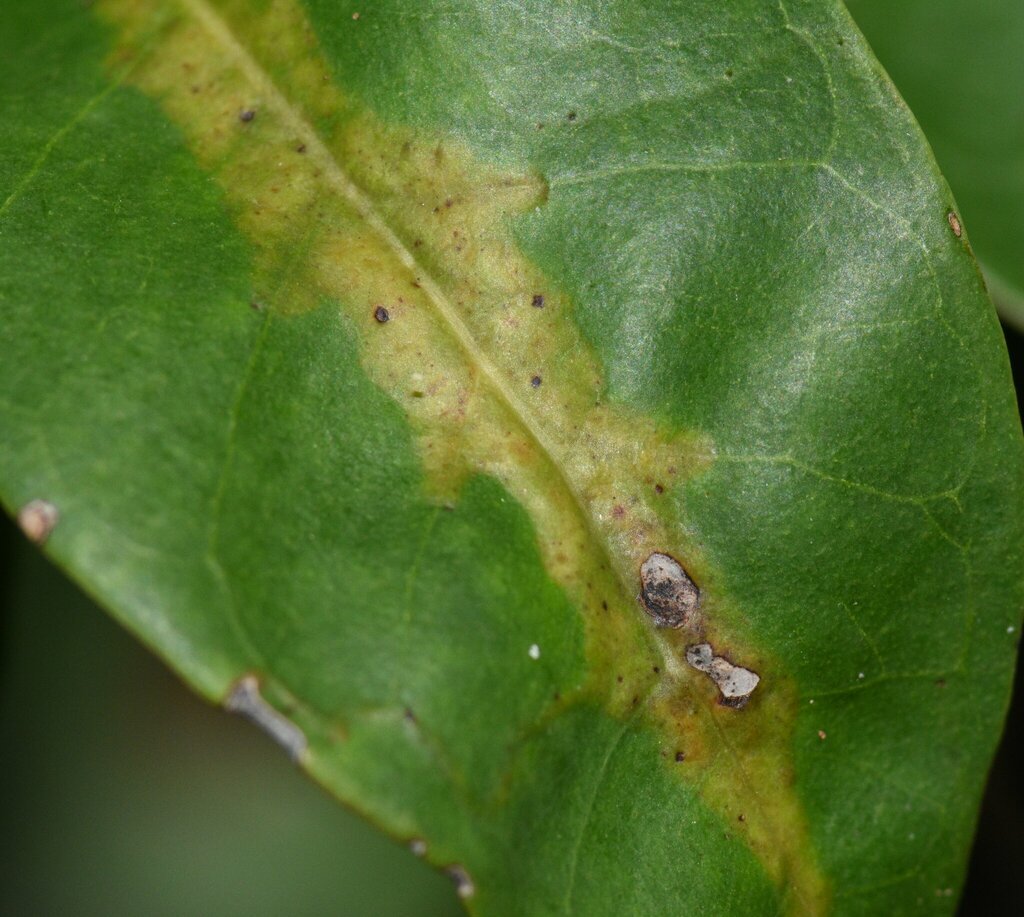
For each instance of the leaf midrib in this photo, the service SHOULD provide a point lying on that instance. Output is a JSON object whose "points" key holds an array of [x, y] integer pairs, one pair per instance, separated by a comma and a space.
{"points": [[361, 202]]}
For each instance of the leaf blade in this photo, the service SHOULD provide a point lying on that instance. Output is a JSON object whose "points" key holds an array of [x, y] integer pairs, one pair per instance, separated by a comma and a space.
{"points": [[525, 526]]}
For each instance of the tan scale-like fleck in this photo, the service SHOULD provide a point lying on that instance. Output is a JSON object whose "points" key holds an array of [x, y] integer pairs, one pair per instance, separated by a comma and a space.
{"points": [[340, 207]]}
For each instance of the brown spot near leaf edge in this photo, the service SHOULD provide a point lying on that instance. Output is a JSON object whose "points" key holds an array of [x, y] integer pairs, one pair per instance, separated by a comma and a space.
{"points": [[954, 223], [37, 520], [667, 593]]}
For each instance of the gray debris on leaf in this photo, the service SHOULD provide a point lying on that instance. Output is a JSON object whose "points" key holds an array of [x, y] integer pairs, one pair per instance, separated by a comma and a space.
{"points": [[667, 592], [245, 699], [735, 683]]}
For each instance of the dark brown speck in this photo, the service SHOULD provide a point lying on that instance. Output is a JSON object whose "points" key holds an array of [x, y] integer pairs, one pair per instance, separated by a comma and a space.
{"points": [[538, 301], [247, 115], [381, 314]]}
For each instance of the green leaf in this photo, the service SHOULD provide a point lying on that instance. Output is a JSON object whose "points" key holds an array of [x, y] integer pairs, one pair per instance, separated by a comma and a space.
{"points": [[362, 356], [959, 67]]}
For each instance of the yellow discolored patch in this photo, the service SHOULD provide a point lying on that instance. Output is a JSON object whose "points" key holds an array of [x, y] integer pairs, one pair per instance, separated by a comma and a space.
{"points": [[411, 236]]}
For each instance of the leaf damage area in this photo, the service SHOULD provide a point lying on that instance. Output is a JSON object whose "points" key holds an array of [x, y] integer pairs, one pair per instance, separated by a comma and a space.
{"points": [[246, 700]]}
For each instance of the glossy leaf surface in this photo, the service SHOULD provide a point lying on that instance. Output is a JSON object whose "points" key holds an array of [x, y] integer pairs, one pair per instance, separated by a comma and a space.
{"points": [[366, 353], [960, 69]]}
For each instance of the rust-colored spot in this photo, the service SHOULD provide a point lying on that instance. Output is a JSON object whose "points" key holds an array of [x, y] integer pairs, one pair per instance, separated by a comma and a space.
{"points": [[954, 224]]}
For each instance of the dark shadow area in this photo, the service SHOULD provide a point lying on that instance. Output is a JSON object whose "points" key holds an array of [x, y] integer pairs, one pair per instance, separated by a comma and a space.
{"points": [[995, 878]]}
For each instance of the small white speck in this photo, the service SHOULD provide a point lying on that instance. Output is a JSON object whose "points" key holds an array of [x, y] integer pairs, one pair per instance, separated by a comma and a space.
{"points": [[860, 674], [418, 846], [534, 651], [811, 701], [911, 836], [1010, 630]]}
